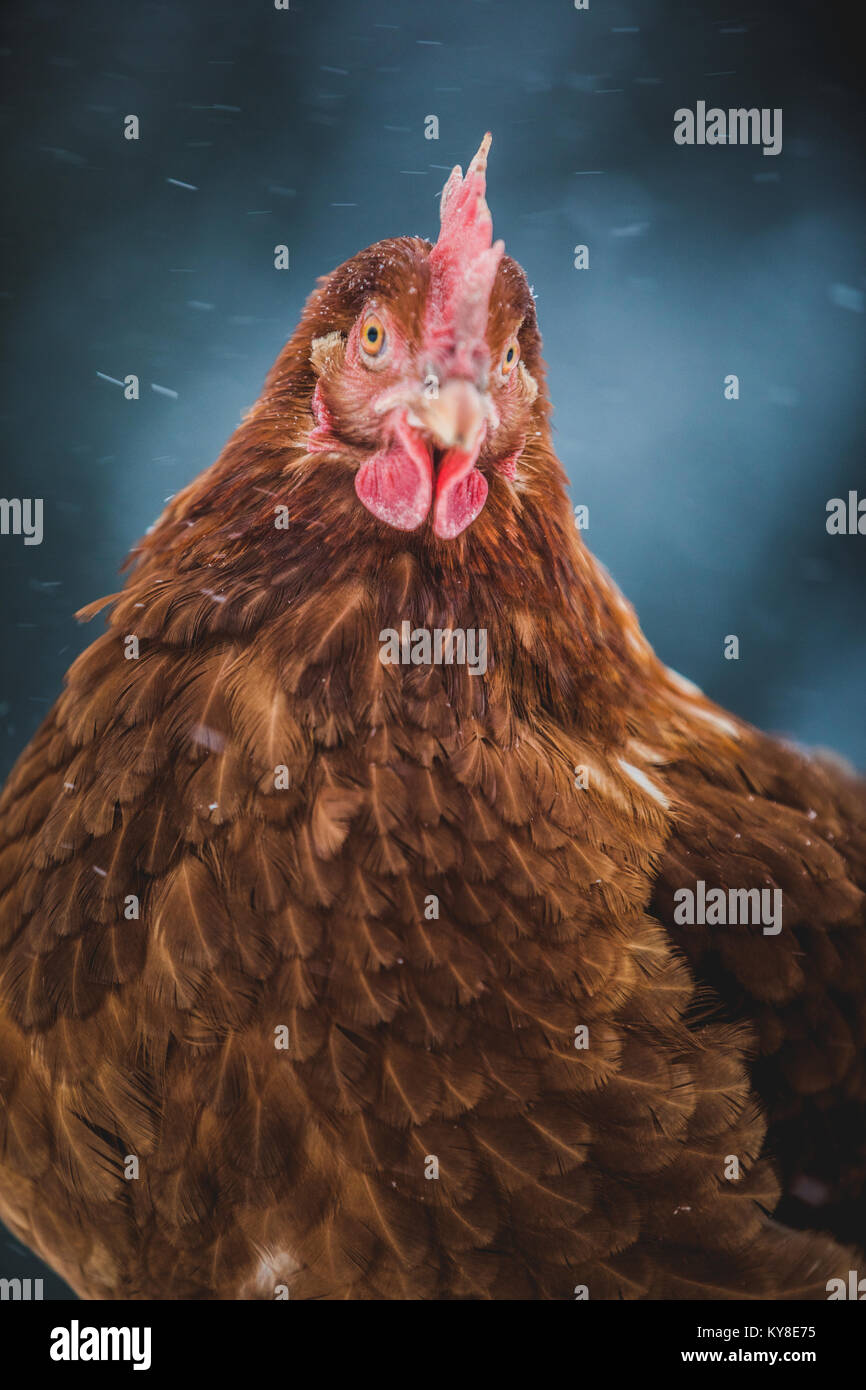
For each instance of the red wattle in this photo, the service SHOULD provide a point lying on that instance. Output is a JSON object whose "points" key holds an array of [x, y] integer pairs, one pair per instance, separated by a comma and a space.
{"points": [[396, 485], [461, 492]]}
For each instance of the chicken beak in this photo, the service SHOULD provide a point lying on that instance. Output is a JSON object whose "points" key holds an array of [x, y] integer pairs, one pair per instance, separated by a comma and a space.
{"points": [[436, 439], [454, 416]]}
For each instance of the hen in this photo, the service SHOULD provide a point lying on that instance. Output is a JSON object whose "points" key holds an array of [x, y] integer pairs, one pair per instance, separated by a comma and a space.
{"points": [[333, 970]]}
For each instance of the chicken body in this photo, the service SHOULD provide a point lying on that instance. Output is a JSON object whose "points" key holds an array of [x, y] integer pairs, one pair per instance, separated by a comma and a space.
{"points": [[334, 978]]}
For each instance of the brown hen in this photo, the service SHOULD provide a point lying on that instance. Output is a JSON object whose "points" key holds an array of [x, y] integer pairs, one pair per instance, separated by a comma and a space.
{"points": [[333, 970]]}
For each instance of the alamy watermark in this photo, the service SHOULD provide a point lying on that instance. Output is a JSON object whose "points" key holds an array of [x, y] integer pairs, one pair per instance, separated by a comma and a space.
{"points": [[77, 1343], [22, 516], [854, 1288], [734, 907], [440, 646], [21, 1290], [736, 126]]}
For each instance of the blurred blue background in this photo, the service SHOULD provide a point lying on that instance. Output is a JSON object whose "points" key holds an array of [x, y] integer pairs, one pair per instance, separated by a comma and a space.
{"points": [[306, 127]]}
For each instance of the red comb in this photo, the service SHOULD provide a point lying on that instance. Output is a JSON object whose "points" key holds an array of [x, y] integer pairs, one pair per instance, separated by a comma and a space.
{"points": [[463, 268]]}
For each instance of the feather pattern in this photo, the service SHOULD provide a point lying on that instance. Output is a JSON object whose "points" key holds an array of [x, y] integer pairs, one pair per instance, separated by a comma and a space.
{"points": [[376, 969]]}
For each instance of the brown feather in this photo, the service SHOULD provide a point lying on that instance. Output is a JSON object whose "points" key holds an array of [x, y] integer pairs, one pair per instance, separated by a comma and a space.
{"points": [[382, 920]]}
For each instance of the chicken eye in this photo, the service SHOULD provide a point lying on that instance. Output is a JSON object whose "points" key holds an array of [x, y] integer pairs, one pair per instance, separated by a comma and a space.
{"points": [[372, 336], [510, 357]]}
